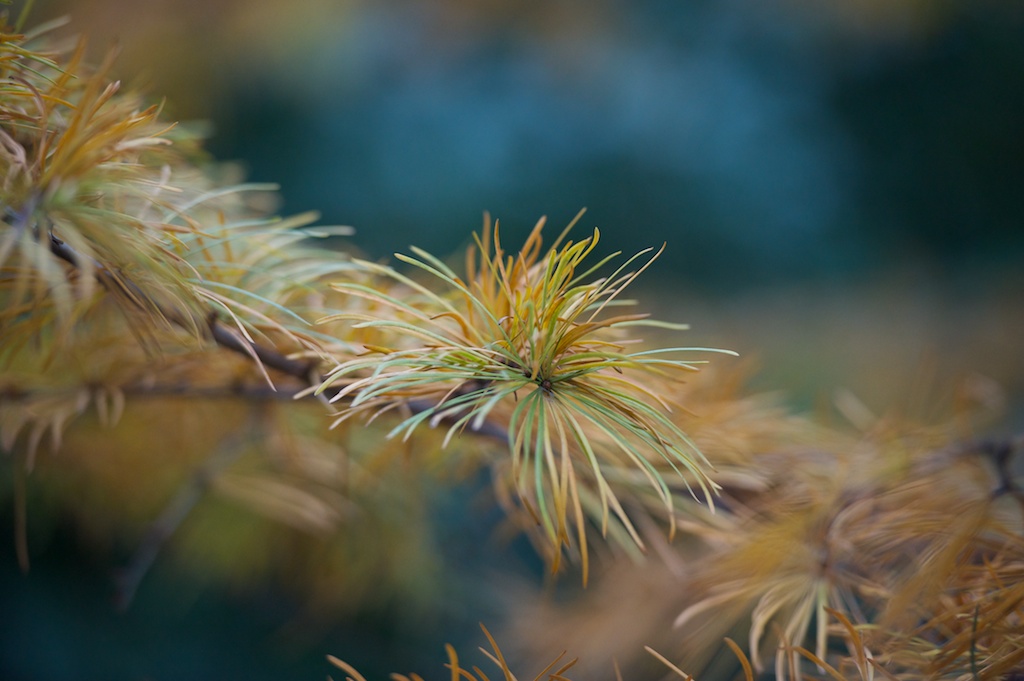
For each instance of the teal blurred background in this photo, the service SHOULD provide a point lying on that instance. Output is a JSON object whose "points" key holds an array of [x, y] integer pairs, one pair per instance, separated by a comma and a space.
{"points": [[765, 142], [839, 183]]}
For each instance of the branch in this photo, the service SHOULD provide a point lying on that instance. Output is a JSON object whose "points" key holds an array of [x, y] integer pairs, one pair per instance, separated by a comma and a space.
{"points": [[1002, 451], [14, 394], [304, 371], [222, 335]]}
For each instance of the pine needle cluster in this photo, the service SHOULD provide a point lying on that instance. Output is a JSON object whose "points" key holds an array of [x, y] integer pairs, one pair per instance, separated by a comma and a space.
{"points": [[523, 343]]}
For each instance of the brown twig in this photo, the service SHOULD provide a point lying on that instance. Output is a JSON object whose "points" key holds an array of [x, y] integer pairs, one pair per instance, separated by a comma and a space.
{"points": [[15, 394], [222, 335]]}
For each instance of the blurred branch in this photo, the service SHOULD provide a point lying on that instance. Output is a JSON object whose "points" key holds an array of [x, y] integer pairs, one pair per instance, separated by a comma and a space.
{"points": [[163, 528], [14, 394], [1002, 452], [221, 334], [20, 520]]}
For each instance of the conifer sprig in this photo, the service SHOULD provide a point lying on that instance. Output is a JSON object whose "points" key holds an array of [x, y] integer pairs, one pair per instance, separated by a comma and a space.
{"points": [[526, 341]]}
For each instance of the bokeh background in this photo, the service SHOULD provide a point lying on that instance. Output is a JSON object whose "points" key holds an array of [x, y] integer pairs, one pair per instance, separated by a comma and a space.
{"points": [[840, 184]]}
